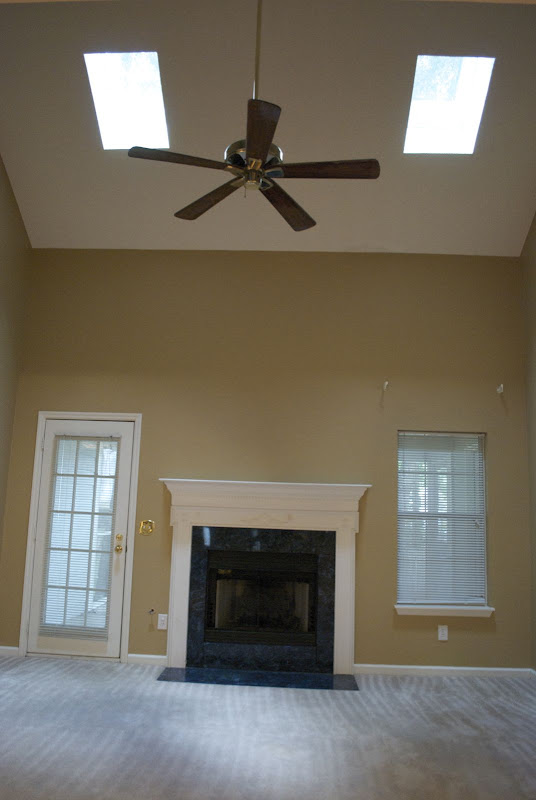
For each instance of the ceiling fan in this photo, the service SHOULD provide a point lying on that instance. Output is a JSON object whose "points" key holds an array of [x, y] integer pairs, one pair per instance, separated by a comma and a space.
{"points": [[256, 161]]}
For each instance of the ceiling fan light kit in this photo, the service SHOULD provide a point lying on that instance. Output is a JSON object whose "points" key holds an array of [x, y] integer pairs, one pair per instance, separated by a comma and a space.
{"points": [[256, 161]]}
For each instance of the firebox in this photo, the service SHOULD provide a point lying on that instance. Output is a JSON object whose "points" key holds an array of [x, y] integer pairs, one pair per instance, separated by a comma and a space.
{"points": [[261, 598]]}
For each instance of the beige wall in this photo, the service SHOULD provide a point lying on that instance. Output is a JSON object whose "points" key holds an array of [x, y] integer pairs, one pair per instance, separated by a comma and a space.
{"points": [[14, 250], [528, 259], [269, 366]]}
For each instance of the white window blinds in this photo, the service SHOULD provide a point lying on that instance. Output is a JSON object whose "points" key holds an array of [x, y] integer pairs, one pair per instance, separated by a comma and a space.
{"points": [[76, 588], [441, 519]]}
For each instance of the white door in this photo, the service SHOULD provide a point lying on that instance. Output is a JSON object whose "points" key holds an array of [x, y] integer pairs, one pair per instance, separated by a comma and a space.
{"points": [[79, 563]]}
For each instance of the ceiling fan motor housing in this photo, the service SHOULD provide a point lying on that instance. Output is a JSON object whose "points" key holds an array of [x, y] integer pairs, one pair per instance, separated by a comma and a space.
{"points": [[235, 154]]}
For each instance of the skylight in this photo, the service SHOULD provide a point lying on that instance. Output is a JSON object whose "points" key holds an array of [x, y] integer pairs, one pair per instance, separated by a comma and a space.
{"points": [[127, 94], [449, 93]]}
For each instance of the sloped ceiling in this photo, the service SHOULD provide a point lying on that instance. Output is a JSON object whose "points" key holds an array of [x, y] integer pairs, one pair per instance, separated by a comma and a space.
{"points": [[342, 70]]}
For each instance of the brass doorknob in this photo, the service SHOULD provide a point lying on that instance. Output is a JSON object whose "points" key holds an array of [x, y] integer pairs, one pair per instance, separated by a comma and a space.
{"points": [[118, 548]]}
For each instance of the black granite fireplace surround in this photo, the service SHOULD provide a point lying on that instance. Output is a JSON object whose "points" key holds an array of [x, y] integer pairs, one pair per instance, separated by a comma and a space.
{"points": [[261, 599]]}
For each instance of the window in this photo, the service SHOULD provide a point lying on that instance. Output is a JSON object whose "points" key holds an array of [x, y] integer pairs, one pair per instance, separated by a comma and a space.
{"points": [[441, 519], [128, 99], [449, 93]]}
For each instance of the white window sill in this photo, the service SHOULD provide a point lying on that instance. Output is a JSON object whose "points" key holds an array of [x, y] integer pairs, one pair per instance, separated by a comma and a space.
{"points": [[444, 611]]}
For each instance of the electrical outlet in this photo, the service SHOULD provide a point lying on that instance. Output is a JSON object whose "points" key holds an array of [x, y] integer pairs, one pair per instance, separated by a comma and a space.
{"points": [[162, 622], [443, 633]]}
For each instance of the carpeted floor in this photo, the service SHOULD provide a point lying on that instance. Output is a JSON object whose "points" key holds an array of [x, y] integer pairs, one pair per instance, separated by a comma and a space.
{"points": [[75, 730]]}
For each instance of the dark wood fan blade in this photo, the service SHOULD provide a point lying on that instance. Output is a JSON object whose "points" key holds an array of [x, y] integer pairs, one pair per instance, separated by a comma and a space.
{"points": [[198, 207], [362, 168], [175, 158], [297, 218], [262, 122]]}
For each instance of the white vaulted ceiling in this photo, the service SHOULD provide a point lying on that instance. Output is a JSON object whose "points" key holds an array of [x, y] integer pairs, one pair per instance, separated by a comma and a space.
{"points": [[342, 71]]}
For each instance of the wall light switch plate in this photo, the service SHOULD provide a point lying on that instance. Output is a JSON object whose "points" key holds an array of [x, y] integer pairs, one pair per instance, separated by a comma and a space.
{"points": [[442, 632], [162, 622]]}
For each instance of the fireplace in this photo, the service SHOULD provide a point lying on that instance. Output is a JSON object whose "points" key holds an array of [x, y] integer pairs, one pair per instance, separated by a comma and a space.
{"points": [[289, 508], [261, 598]]}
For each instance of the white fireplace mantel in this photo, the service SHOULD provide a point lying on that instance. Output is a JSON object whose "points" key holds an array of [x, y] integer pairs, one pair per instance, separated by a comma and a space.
{"points": [[252, 504]]}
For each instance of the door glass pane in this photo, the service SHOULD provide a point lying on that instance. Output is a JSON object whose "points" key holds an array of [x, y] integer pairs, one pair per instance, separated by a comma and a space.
{"points": [[76, 606], [76, 590], [78, 569], [104, 499], [97, 609], [103, 532], [63, 493], [107, 458], [60, 530], [81, 531], [83, 496], [57, 567], [86, 458], [55, 606], [100, 568], [66, 456]]}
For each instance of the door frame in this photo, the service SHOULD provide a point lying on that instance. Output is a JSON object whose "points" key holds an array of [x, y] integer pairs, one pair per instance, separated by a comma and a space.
{"points": [[43, 417]]}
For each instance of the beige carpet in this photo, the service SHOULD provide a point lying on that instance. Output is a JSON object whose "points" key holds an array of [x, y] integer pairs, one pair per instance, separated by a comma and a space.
{"points": [[75, 730]]}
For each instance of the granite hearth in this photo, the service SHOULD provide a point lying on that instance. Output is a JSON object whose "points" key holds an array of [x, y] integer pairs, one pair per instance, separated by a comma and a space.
{"points": [[246, 677]]}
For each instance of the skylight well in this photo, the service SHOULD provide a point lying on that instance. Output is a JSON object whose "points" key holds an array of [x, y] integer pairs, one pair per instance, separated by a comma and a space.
{"points": [[449, 93], [127, 94]]}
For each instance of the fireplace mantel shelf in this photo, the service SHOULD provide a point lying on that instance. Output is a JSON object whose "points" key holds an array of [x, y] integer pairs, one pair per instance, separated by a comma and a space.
{"points": [[256, 504], [339, 497]]}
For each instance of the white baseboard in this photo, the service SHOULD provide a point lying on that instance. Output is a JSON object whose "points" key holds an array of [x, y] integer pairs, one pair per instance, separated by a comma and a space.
{"points": [[8, 651], [406, 669], [147, 658], [132, 658]]}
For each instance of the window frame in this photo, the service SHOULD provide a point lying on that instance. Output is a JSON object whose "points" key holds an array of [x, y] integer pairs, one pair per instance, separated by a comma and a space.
{"points": [[438, 608]]}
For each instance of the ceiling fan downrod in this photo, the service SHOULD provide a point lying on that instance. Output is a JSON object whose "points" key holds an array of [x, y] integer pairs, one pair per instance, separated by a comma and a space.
{"points": [[257, 50]]}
